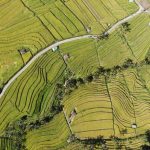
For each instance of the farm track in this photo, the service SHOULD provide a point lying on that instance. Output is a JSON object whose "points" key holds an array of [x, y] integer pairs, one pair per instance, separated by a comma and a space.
{"points": [[141, 10]]}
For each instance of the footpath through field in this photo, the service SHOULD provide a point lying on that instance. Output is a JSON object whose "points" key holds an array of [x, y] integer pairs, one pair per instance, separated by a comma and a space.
{"points": [[141, 9]]}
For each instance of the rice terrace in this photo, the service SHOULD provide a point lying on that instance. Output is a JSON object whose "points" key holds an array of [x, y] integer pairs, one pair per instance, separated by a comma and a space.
{"points": [[74, 74]]}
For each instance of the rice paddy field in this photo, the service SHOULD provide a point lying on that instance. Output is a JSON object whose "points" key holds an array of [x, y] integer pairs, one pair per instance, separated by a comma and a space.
{"points": [[37, 24], [134, 143], [50, 68], [33, 91], [6, 144], [138, 37], [114, 106], [54, 135], [119, 45], [26, 57], [107, 107]]}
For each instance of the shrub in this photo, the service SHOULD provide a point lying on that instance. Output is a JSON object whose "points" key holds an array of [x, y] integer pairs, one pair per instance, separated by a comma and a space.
{"points": [[80, 81], [148, 135], [89, 78], [145, 147]]}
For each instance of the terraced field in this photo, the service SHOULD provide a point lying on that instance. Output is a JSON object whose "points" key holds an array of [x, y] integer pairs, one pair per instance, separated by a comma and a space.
{"points": [[89, 54], [114, 106], [51, 136], [6, 144], [110, 107], [37, 24], [33, 91], [134, 143], [94, 115], [47, 70], [144, 73], [23, 31], [83, 58], [141, 103], [137, 38]]}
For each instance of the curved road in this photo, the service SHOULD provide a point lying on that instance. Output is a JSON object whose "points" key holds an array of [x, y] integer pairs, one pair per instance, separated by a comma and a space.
{"points": [[141, 9]]}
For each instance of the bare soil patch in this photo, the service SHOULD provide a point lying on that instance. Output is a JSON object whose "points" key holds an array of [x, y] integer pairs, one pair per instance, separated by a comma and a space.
{"points": [[145, 4]]}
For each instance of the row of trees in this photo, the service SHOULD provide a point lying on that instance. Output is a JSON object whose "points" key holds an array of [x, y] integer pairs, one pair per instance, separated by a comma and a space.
{"points": [[17, 130], [59, 94], [17, 133], [100, 141], [95, 142], [74, 83]]}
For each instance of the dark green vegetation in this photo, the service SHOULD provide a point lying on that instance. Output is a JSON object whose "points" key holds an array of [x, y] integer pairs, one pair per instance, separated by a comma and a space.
{"points": [[6, 144]]}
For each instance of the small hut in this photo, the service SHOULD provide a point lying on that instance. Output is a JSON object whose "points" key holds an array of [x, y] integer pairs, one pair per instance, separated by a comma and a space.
{"points": [[56, 48], [23, 51], [66, 56], [131, 1], [72, 115], [134, 125]]}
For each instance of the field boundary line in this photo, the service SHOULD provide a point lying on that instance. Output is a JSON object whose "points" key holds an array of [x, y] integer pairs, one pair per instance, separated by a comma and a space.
{"points": [[67, 121]]}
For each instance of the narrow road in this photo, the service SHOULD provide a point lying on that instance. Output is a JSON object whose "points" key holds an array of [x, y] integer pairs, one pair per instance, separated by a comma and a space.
{"points": [[141, 9], [115, 26]]}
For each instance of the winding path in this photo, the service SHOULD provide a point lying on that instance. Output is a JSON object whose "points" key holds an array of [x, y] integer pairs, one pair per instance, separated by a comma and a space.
{"points": [[141, 9]]}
